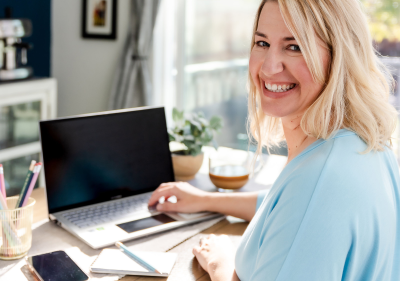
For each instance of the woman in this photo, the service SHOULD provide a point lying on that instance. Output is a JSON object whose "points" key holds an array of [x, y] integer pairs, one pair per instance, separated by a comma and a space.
{"points": [[333, 213]]}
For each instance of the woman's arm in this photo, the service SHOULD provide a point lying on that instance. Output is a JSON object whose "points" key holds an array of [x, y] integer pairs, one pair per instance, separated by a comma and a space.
{"points": [[192, 200], [240, 205]]}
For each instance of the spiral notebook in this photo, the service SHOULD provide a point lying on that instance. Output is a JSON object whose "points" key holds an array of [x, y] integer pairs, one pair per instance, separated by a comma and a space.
{"points": [[116, 262]]}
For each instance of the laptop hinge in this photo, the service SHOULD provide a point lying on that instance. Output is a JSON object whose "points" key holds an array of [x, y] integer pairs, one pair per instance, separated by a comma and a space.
{"points": [[52, 218]]}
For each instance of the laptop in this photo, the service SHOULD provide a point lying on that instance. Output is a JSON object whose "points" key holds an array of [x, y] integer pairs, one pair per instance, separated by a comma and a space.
{"points": [[100, 170]]}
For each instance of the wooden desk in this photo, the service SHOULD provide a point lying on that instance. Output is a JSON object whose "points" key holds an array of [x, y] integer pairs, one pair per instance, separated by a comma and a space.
{"points": [[186, 267], [40, 211]]}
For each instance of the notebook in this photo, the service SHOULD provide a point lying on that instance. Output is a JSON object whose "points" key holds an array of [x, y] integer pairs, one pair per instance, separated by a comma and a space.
{"points": [[116, 262]]}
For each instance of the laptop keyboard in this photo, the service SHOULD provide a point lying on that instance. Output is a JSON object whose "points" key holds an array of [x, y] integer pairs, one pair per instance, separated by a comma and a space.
{"points": [[107, 212]]}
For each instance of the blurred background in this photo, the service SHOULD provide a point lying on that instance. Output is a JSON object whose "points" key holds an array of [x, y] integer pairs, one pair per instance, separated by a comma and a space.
{"points": [[211, 40], [189, 54]]}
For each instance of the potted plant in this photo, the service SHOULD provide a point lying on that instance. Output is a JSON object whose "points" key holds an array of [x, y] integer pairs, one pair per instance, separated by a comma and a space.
{"points": [[193, 131]]}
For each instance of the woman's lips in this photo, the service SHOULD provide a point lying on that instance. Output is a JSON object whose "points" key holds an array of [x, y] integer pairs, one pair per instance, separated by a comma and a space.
{"points": [[274, 95]]}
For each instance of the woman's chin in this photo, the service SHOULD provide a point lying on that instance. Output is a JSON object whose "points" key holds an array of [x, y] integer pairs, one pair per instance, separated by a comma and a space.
{"points": [[275, 112]]}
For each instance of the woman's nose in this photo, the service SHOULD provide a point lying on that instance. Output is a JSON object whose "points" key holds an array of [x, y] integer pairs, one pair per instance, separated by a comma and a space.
{"points": [[272, 63]]}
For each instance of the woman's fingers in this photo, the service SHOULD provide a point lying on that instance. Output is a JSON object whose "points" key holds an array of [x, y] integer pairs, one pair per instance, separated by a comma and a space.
{"points": [[215, 252], [196, 250], [202, 253], [166, 191], [168, 207], [188, 199]]}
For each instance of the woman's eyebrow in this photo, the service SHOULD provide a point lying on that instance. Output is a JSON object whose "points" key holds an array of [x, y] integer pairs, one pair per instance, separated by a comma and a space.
{"points": [[289, 39], [265, 36], [261, 34]]}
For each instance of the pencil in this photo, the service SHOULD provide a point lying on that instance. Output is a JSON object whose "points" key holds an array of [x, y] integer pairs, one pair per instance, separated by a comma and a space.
{"points": [[143, 263], [3, 203], [6, 238], [26, 185], [3, 185], [36, 172]]}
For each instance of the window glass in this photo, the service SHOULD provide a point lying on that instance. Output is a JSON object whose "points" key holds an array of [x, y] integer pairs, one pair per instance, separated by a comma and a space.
{"points": [[218, 30], [384, 25], [19, 124], [217, 38]]}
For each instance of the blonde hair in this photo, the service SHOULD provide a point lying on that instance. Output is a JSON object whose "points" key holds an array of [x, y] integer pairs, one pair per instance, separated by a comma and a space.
{"points": [[356, 91]]}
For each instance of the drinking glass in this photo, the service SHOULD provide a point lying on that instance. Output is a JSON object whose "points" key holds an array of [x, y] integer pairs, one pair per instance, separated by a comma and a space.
{"points": [[231, 169]]}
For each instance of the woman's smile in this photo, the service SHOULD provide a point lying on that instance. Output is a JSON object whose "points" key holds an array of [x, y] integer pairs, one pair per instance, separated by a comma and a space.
{"points": [[277, 90]]}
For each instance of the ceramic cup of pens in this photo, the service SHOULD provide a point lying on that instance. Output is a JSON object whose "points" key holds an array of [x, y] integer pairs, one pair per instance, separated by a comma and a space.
{"points": [[16, 216]]}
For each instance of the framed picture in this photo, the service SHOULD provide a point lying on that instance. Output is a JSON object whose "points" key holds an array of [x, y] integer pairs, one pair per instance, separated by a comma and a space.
{"points": [[99, 19]]}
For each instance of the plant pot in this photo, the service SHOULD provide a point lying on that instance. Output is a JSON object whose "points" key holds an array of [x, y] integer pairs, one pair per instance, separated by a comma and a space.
{"points": [[186, 166]]}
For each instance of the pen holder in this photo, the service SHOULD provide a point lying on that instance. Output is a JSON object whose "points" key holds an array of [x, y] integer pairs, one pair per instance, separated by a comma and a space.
{"points": [[16, 229]]}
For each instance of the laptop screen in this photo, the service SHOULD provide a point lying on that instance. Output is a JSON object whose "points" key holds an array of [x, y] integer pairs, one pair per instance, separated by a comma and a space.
{"points": [[96, 158]]}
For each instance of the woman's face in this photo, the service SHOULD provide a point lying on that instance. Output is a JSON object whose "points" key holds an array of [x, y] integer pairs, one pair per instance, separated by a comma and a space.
{"points": [[279, 70]]}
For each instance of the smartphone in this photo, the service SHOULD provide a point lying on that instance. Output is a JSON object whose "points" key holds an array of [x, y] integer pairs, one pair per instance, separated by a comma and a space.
{"points": [[55, 266]]}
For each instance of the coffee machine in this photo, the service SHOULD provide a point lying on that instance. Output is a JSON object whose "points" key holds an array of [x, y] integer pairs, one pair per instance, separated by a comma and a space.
{"points": [[13, 52]]}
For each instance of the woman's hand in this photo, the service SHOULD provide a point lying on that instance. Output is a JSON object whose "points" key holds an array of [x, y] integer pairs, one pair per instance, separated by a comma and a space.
{"points": [[189, 198], [216, 254]]}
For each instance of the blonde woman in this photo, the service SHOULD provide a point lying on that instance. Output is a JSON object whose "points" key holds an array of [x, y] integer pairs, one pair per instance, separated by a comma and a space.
{"points": [[334, 212]]}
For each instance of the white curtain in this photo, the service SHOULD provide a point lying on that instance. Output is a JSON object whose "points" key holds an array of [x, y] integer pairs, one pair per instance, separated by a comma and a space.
{"points": [[132, 84]]}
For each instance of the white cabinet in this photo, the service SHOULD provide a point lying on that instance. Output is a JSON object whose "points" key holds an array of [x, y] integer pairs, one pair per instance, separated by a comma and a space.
{"points": [[22, 105]]}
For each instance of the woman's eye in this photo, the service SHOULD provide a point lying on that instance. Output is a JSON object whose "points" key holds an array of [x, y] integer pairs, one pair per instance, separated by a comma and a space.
{"points": [[294, 48], [262, 44]]}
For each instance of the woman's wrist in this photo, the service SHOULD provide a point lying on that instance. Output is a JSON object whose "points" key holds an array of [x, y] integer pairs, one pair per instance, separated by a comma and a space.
{"points": [[210, 201]]}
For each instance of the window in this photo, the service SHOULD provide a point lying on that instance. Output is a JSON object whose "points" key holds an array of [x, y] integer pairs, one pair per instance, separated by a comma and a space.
{"points": [[384, 25], [211, 42]]}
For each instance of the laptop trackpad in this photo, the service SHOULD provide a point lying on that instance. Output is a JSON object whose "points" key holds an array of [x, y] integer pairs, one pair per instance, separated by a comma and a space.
{"points": [[136, 225]]}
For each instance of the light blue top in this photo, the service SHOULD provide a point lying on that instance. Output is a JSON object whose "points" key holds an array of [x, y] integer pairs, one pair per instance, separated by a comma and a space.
{"points": [[332, 214]]}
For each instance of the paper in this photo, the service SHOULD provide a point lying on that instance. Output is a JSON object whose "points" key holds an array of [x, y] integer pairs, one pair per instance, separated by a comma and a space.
{"points": [[192, 216], [115, 261]]}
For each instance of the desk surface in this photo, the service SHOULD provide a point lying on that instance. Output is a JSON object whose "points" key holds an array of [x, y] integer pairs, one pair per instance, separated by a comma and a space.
{"points": [[186, 267]]}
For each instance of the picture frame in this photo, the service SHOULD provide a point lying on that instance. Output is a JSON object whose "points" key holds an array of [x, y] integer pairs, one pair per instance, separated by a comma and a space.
{"points": [[99, 19]]}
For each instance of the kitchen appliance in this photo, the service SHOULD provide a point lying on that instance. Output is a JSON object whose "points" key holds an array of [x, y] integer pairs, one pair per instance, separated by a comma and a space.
{"points": [[13, 52]]}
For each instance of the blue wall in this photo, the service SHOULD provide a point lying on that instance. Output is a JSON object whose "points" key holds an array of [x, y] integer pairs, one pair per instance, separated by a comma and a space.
{"points": [[38, 11]]}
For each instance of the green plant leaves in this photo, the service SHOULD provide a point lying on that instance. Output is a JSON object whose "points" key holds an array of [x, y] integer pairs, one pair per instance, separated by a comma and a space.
{"points": [[216, 123], [177, 115], [193, 130]]}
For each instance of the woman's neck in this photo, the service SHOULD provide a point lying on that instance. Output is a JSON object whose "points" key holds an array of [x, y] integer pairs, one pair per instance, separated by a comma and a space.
{"points": [[296, 139]]}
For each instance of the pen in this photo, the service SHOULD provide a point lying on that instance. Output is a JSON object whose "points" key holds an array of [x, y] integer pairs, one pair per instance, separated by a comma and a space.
{"points": [[28, 178], [3, 185], [143, 263], [36, 172]]}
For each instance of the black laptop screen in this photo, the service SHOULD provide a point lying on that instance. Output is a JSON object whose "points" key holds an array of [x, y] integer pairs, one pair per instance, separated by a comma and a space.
{"points": [[94, 159]]}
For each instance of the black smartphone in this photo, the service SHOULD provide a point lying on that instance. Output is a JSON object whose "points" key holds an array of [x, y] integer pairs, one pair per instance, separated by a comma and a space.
{"points": [[56, 266]]}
